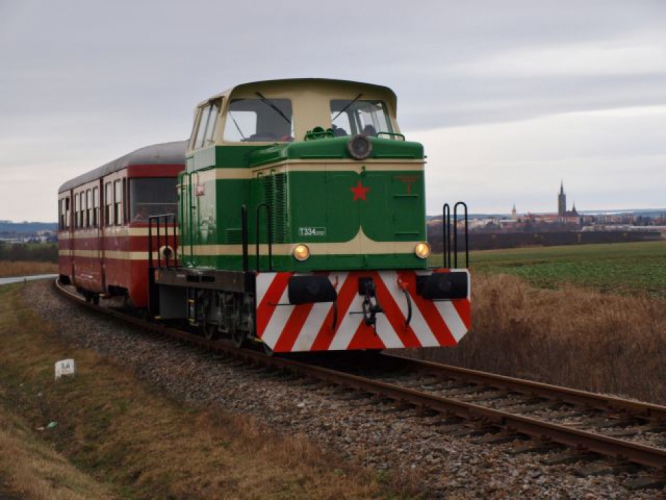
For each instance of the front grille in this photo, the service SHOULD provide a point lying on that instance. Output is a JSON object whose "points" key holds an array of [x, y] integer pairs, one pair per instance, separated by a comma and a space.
{"points": [[275, 195]]}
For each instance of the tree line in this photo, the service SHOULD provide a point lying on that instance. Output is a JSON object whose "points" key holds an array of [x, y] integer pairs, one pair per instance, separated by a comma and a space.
{"points": [[45, 252]]}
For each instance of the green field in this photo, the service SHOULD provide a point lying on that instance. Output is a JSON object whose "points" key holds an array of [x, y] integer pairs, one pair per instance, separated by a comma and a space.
{"points": [[613, 268]]}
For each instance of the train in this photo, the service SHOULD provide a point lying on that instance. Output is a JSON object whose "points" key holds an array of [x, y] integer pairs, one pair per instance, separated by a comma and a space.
{"points": [[293, 217]]}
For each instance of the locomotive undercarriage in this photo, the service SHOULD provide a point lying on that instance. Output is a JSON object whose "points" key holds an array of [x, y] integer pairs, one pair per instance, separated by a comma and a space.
{"points": [[217, 303], [219, 313]]}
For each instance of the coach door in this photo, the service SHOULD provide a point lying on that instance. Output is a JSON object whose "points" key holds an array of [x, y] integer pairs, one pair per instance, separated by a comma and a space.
{"points": [[98, 201]]}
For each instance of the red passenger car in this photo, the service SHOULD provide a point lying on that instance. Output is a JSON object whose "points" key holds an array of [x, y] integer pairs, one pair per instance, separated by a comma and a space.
{"points": [[103, 242]]}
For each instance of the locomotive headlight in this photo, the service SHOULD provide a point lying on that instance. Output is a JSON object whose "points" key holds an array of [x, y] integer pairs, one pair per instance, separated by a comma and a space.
{"points": [[359, 147], [422, 250], [301, 252]]}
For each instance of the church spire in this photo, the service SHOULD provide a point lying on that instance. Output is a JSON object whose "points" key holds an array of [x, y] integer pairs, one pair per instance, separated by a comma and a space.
{"points": [[561, 201]]}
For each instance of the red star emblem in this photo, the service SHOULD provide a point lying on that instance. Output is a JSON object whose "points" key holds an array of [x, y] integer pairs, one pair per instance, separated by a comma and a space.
{"points": [[359, 192]]}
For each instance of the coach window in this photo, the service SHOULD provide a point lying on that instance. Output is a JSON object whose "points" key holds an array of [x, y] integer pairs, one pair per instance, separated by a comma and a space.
{"points": [[79, 210], [118, 202], [152, 196], [82, 212], [108, 204], [95, 195], [82, 204], [89, 208], [66, 212], [76, 210], [259, 120], [61, 213], [125, 204]]}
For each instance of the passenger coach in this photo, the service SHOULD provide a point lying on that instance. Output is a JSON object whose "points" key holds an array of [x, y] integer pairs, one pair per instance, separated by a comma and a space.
{"points": [[103, 221]]}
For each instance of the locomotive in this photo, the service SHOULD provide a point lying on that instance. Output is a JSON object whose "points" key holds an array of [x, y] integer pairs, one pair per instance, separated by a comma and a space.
{"points": [[296, 220]]}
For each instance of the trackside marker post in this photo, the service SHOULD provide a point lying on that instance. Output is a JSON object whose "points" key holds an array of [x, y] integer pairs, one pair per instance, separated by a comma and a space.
{"points": [[65, 368]]}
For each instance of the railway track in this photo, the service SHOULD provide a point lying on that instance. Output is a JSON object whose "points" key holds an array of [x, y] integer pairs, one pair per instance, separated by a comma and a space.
{"points": [[585, 426]]}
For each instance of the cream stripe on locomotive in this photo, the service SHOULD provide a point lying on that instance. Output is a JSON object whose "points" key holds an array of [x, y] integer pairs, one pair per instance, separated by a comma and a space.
{"points": [[344, 166], [328, 165], [392, 328], [367, 246]]}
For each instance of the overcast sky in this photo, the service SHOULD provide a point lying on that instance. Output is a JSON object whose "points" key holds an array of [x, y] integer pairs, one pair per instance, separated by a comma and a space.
{"points": [[508, 97]]}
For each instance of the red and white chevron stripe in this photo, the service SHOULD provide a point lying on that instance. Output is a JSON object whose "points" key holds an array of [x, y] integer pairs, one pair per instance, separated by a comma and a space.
{"points": [[309, 327]]}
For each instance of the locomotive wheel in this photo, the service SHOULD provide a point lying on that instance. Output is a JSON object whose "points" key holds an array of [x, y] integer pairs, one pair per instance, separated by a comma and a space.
{"points": [[209, 331], [238, 337]]}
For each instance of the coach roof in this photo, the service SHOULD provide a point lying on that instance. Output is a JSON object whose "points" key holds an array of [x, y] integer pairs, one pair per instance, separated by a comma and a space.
{"points": [[168, 153]]}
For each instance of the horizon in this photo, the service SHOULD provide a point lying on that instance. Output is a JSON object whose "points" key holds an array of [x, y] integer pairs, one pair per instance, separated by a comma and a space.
{"points": [[589, 212]]}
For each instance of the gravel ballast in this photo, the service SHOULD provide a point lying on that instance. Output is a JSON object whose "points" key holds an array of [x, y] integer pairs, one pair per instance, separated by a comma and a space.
{"points": [[366, 430]]}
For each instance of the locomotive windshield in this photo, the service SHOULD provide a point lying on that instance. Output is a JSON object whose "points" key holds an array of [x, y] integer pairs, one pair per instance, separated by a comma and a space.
{"points": [[152, 196], [359, 117], [259, 120]]}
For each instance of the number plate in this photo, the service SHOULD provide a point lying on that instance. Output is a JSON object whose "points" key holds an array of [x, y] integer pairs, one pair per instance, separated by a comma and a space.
{"points": [[311, 231]]}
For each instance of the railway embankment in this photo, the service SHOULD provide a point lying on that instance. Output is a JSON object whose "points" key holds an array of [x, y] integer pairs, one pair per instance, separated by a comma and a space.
{"points": [[405, 452], [127, 427]]}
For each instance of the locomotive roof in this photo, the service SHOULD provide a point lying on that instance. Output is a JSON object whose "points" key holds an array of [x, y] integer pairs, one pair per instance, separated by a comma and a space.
{"points": [[302, 82], [168, 153]]}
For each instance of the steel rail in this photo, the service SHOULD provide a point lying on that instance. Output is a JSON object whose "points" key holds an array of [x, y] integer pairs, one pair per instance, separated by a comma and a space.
{"points": [[579, 439], [539, 389]]}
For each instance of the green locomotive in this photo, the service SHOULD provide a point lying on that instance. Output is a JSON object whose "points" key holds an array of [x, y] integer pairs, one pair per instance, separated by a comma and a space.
{"points": [[301, 224]]}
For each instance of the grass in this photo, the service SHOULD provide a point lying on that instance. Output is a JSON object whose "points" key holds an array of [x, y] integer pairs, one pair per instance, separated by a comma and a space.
{"points": [[119, 436], [621, 268], [572, 336], [38, 471], [26, 268]]}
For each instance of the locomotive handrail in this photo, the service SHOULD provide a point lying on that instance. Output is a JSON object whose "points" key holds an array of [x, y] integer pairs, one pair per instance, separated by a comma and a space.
{"points": [[186, 210], [244, 238], [155, 220], [455, 234], [269, 234], [392, 135], [449, 229], [446, 235]]}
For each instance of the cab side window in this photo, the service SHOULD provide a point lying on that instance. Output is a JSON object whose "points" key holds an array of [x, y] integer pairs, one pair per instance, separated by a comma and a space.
{"points": [[207, 125]]}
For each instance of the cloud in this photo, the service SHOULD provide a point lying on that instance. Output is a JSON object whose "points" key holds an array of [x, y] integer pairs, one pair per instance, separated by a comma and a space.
{"points": [[607, 159], [601, 58]]}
